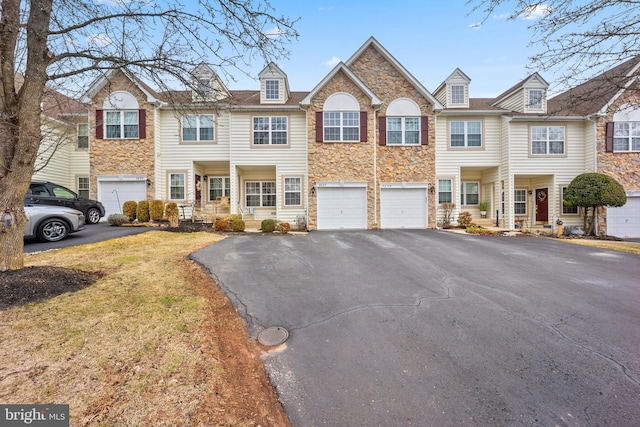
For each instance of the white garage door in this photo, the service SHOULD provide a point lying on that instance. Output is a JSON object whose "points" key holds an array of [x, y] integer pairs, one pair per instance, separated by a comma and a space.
{"points": [[113, 194], [624, 221], [342, 208], [403, 208]]}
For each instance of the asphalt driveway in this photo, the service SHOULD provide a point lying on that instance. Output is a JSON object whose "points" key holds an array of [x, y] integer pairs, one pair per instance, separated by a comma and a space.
{"points": [[429, 328]]}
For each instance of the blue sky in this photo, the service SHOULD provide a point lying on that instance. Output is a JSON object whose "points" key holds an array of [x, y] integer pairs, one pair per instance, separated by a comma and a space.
{"points": [[429, 38]]}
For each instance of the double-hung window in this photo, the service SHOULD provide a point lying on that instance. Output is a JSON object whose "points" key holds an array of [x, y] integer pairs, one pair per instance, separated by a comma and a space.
{"points": [[219, 186], [566, 209], [260, 193], [341, 126], [535, 99], [83, 135], [626, 136], [466, 133], [403, 130], [293, 191], [457, 94], [197, 127], [177, 186], [520, 202], [272, 89], [270, 130], [121, 124], [470, 193], [547, 140], [83, 187], [445, 191]]}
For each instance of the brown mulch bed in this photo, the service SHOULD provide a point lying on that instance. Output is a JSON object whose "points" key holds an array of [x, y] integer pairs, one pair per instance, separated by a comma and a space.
{"points": [[32, 284]]}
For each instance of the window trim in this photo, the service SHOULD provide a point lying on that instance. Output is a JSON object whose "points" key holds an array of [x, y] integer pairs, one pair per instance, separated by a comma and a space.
{"points": [[86, 135], [198, 129], [80, 188], [261, 194], [403, 131], [520, 202], [629, 138], [563, 189], [341, 126], [464, 194], [269, 131], [453, 95], [269, 90], [284, 191], [226, 181], [548, 142], [184, 185], [122, 124], [539, 105], [439, 192], [466, 134]]}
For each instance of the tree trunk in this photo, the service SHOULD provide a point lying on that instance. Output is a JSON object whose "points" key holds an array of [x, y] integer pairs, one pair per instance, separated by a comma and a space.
{"points": [[20, 121]]}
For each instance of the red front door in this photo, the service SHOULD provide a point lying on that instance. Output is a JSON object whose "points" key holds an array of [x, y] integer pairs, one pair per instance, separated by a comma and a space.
{"points": [[542, 205]]}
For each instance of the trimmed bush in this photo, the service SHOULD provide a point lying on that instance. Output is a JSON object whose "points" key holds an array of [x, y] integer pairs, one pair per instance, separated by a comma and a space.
{"points": [[221, 224], [233, 217], [283, 227], [156, 210], [465, 219], [237, 225], [129, 209], [142, 213], [268, 225], [173, 214], [117, 219]]}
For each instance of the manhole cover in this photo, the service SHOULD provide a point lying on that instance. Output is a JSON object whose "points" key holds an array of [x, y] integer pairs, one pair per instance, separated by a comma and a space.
{"points": [[273, 336]]}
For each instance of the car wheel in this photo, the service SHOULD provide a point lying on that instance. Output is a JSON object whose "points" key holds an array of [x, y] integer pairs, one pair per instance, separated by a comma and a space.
{"points": [[52, 230], [93, 216]]}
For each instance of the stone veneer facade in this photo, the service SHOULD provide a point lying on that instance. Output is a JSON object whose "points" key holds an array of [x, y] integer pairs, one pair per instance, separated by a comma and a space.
{"points": [[623, 167], [351, 161], [121, 156]]}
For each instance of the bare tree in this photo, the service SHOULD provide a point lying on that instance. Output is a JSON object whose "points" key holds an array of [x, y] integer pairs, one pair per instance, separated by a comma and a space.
{"points": [[574, 39], [64, 44]]}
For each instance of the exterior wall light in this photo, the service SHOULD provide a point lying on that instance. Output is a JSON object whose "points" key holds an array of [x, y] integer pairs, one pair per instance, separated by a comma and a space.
{"points": [[313, 191], [148, 182]]}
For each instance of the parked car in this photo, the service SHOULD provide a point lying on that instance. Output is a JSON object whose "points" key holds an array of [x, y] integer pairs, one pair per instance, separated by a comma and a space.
{"points": [[48, 193], [52, 223]]}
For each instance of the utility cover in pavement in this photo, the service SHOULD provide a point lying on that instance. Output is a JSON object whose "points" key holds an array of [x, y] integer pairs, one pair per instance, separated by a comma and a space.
{"points": [[273, 336]]}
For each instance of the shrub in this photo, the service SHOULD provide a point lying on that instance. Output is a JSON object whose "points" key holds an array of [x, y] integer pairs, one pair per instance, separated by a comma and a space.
{"points": [[464, 219], [142, 213], [117, 219], [233, 217], [268, 225], [237, 225], [172, 213], [221, 224], [283, 227], [129, 209], [156, 210]]}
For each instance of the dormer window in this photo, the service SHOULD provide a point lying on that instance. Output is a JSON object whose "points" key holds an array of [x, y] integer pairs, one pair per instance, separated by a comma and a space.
{"points": [[272, 89], [457, 94], [535, 99], [204, 87]]}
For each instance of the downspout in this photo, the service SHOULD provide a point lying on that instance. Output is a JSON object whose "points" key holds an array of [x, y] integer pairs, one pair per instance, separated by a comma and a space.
{"points": [[375, 165]]}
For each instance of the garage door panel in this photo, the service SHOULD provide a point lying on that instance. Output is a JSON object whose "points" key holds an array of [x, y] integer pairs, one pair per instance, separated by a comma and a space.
{"points": [[113, 194], [342, 208], [403, 208], [625, 220]]}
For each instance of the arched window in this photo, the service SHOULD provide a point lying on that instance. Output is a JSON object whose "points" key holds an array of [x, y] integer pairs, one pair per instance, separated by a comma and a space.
{"points": [[341, 118], [120, 118], [624, 133]]}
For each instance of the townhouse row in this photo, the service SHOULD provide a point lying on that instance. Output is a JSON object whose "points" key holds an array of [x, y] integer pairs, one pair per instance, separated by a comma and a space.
{"points": [[368, 147]]}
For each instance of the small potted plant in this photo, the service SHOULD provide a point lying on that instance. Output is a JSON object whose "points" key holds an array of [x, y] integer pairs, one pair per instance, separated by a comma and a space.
{"points": [[483, 206]]}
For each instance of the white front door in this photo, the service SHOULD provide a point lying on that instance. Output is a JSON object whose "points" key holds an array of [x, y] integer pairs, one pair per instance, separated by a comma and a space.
{"points": [[403, 208], [625, 220], [342, 208]]}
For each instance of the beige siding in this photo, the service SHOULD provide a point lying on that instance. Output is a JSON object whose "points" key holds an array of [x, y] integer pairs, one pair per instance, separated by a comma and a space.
{"points": [[515, 102]]}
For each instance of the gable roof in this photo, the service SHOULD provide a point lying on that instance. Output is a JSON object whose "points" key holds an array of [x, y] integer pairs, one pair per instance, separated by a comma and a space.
{"points": [[341, 67], [405, 73], [595, 95], [518, 86], [456, 72], [102, 81]]}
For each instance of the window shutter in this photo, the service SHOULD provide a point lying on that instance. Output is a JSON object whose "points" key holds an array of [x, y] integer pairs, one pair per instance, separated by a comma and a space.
{"points": [[609, 137], [424, 130], [99, 125], [319, 127], [363, 126], [382, 125], [142, 124]]}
